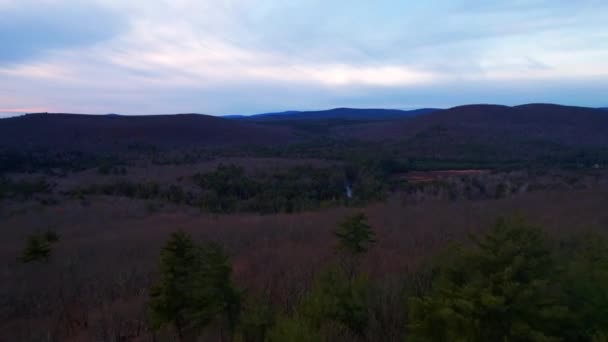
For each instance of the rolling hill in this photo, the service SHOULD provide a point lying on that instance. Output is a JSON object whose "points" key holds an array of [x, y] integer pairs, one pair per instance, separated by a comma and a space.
{"points": [[456, 130], [99, 132], [493, 123]]}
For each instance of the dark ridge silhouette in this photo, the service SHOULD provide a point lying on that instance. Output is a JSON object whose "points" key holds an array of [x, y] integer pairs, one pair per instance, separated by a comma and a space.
{"points": [[496, 124], [78, 131], [338, 113], [480, 124]]}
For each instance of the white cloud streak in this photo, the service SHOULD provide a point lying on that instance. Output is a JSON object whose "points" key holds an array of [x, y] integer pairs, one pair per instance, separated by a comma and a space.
{"points": [[188, 50]]}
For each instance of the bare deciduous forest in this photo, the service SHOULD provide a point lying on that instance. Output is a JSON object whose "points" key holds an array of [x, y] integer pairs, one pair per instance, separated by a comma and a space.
{"points": [[314, 239]]}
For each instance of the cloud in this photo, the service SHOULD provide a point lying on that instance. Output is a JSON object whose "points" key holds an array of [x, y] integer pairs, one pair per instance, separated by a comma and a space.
{"points": [[30, 30], [239, 56]]}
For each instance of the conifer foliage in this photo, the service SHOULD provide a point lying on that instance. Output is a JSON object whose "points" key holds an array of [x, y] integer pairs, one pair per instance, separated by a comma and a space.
{"points": [[502, 288], [194, 289], [355, 235], [38, 247], [586, 282], [337, 306]]}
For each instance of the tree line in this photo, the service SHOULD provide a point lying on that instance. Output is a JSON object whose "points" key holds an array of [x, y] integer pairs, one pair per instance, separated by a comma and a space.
{"points": [[230, 189], [23, 189]]}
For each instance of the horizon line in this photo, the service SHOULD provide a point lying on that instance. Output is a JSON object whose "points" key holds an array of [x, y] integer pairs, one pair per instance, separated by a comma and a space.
{"points": [[7, 113]]}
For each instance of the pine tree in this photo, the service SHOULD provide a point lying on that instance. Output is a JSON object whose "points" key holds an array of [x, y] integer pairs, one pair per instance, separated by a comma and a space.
{"points": [[172, 298], [222, 298], [37, 248], [500, 289], [294, 329], [355, 235], [256, 319], [337, 305], [194, 288], [587, 287], [338, 301]]}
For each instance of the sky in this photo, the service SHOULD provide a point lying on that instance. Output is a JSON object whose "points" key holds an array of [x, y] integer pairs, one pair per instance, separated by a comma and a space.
{"points": [[252, 56]]}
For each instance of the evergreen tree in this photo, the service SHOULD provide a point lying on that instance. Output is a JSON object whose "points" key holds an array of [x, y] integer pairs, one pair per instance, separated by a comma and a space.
{"points": [[256, 320], [339, 302], [173, 298], [294, 329], [500, 289], [37, 248], [355, 235], [194, 288], [337, 305], [222, 298], [587, 287]]}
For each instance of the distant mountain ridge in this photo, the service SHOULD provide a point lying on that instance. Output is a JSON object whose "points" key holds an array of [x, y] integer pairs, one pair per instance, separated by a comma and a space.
{"points": [[476, 125], [484, 124], [117, 131], [336, 113]]}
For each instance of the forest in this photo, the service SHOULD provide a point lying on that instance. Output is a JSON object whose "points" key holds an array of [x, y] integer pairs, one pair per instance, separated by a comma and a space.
{"points": [[512, 282], [421, 229]]}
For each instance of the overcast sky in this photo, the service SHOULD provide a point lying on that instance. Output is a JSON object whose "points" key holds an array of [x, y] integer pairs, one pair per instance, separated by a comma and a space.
{"points": [[250, 56]]}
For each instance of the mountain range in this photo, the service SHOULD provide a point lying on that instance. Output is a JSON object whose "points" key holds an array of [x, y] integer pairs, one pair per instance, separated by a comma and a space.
{"points": [[336, 113], [483, 125]]}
